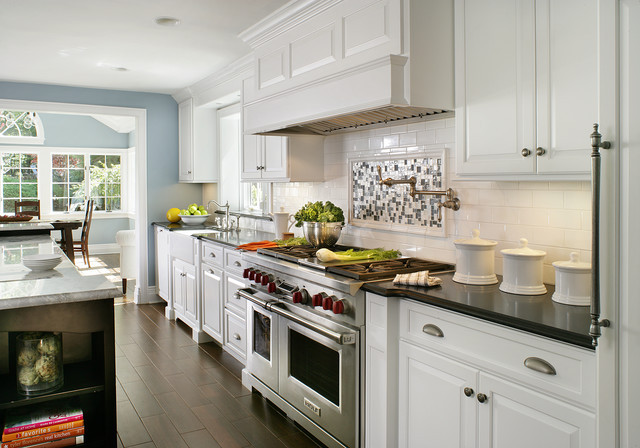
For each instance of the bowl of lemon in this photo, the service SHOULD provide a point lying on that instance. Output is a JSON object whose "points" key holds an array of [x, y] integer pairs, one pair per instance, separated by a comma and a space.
{"points": [[193, 215]]}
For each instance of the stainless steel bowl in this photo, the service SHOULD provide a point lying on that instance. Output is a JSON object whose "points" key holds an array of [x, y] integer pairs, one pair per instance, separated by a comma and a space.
{"points": [[322, 234]]}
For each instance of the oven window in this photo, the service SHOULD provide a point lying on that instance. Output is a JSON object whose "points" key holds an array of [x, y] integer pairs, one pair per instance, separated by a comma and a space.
{"points": [[315, 365], [262, 335]]}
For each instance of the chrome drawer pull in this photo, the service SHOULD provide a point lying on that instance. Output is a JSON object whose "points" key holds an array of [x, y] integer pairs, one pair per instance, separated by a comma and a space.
{"points": [[433, 330], [539, 365]]}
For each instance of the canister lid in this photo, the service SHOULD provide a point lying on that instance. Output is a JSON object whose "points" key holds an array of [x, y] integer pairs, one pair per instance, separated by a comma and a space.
{"points": [[574, 264], [475, 240], [523, 250]]}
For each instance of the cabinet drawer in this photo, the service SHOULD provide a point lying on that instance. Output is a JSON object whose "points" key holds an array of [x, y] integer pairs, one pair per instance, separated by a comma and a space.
{"points": [[235, 334], [231, 284], [503, 351], [212, 254], [233, 261]]}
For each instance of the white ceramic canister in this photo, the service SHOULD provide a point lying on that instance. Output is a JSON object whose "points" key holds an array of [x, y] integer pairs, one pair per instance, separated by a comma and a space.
{"points": [[522, 270], [475, 261], [282, 222], [573, 281]]}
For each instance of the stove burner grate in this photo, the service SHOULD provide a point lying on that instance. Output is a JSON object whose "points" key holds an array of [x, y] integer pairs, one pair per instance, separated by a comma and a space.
{"points": [[372, 270]]}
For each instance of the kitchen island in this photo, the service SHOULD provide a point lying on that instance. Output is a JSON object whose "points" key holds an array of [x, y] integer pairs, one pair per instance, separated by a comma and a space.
{"points": [[24, 228], [81, 308]]}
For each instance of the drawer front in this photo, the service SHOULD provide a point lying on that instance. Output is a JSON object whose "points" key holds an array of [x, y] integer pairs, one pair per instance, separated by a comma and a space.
{"points": [[517, 355], [231, 301], [235, 333], [233, 261], [212, 254]]}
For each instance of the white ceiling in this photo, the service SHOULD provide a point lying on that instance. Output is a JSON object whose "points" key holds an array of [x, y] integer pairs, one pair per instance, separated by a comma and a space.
{"points": [[76, 42]]}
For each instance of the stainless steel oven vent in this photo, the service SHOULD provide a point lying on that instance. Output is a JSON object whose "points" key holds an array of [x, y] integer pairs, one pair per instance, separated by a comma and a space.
{"points": [[387, 114]]}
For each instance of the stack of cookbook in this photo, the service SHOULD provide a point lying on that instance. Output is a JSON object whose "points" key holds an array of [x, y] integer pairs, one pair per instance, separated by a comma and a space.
{"points": [[47, 428]]}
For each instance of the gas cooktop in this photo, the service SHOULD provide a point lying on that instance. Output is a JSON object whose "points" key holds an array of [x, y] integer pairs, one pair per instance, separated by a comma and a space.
{"points": [[297, 253], [373, 270]]}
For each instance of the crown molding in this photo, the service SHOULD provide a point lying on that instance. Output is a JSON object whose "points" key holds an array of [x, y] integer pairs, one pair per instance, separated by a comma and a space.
{"points": [[290, 15]]}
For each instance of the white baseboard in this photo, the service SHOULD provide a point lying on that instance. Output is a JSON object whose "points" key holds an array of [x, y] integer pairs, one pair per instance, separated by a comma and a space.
{"points": [[99, 249], [149, 296]]}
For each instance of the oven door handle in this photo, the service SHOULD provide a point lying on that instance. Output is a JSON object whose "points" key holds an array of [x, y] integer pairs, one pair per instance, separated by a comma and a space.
{"points": [[347, 338]]}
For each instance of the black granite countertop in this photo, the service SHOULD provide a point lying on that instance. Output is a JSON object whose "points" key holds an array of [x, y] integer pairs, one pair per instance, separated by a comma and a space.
{"points": [[535, 314], [208, 233]]}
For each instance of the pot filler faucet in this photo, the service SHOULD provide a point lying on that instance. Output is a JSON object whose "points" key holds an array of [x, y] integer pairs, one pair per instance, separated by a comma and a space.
{"points": [[451, 201]]}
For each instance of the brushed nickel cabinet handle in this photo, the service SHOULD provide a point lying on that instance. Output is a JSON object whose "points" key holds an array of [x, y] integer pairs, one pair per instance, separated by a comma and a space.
{"points": [[433, 330], [539, 365], [540, 151], [525, 152]]}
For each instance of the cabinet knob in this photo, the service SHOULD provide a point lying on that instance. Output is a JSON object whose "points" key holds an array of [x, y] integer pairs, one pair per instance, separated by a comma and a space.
{"points": [[237, 263], [236, 336], [211, 271], [468, 391], [212, 255], [540, 151], [482, 398], [525, 152], [188, 172], [433, 330]]}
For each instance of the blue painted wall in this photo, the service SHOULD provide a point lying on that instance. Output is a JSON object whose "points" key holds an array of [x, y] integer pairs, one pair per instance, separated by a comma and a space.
{"points": [[80, 131], [163, 189]]}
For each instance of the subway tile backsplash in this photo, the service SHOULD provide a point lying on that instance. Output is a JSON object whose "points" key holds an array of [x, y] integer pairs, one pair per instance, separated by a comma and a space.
{"points": [[553, 216]]}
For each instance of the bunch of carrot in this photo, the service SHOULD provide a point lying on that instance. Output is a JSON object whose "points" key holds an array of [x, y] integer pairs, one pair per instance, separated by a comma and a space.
{"points": [[257, 245]]}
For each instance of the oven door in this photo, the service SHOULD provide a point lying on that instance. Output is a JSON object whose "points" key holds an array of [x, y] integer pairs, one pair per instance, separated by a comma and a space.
{"points": [[320, 377], [262, 346]]}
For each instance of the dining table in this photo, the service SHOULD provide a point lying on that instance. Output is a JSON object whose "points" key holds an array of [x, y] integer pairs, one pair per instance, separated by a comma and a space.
{"points": [[66, 229]]}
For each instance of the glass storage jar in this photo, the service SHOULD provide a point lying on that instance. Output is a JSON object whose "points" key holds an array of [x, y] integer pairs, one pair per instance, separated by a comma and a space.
{"points": [[39, 362]]}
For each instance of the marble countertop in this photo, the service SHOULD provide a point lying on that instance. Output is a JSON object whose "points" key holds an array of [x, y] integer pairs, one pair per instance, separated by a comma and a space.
{"points": [[231, 238], [24, 226], [21, 287]]}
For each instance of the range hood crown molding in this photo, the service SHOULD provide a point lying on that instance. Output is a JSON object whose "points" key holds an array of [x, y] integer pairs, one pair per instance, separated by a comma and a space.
{"points": [[288, 16]]}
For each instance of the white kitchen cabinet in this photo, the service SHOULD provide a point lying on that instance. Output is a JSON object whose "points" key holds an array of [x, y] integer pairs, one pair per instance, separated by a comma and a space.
{"points": [[513, 415], [198, 151], [212, 301], [528, 86], [234, 307], [434, 409], [235, 341], [184, 291], [282, 159], [163, 264]]}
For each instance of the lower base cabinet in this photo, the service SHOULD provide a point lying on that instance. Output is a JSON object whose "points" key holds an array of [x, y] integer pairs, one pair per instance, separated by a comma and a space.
{"points": [[212, 302], [235, 341], [184, 292]]}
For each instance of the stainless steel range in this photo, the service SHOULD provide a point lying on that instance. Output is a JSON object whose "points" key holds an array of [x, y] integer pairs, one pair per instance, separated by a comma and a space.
{"points": [[305, 337]]}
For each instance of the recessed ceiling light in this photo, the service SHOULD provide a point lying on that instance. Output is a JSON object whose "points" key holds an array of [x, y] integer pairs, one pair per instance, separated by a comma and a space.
{"points": [[120, 69], [115, 68], [167, 21]]}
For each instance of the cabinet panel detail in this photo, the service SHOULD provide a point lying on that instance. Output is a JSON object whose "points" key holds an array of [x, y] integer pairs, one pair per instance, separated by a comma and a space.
{"points": [[366, 28], [271, 68], [313, 50]]}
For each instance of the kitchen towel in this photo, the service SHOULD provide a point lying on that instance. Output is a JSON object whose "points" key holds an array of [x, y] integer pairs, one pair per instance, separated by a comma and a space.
{"points": [[420, 278]]}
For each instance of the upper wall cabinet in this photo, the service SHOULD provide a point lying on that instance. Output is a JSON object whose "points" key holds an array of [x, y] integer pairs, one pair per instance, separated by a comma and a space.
{"points": [[332, 57], [283, 159], [198, 153], [531, 79]]}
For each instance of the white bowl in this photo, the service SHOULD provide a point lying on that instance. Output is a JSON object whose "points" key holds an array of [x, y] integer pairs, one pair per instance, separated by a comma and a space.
{"points": [[475, 261], [522, 270], [573, 281], [41, 262], [193, 220]]}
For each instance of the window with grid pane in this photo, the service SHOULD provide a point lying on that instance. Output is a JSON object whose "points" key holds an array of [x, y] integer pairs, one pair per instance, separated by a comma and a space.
{"points": [[19, 179], [67, 182], [105, 184]]}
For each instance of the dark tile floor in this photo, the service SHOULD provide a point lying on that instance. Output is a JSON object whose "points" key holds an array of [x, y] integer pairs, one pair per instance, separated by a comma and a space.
{"points": [[174, 393]]}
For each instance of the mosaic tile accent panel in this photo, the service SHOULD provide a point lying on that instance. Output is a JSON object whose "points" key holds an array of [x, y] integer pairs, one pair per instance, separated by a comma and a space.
{"points": [[381, 206]]}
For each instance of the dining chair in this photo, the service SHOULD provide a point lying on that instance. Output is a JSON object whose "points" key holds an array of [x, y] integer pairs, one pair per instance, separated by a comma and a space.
{"points": [[83, 244], [34, 208]]}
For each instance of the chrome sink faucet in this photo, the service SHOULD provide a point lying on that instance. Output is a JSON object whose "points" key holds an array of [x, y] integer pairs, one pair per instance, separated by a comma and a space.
{"points": [[227, 224]]}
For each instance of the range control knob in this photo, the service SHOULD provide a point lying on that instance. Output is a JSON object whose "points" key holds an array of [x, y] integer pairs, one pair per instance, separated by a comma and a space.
{"points": [[252, 274], [327, 302], [340, 306], [271, 287], [316, 299], [296, 297], [246, 272], [266, 278], [258, 277]]}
